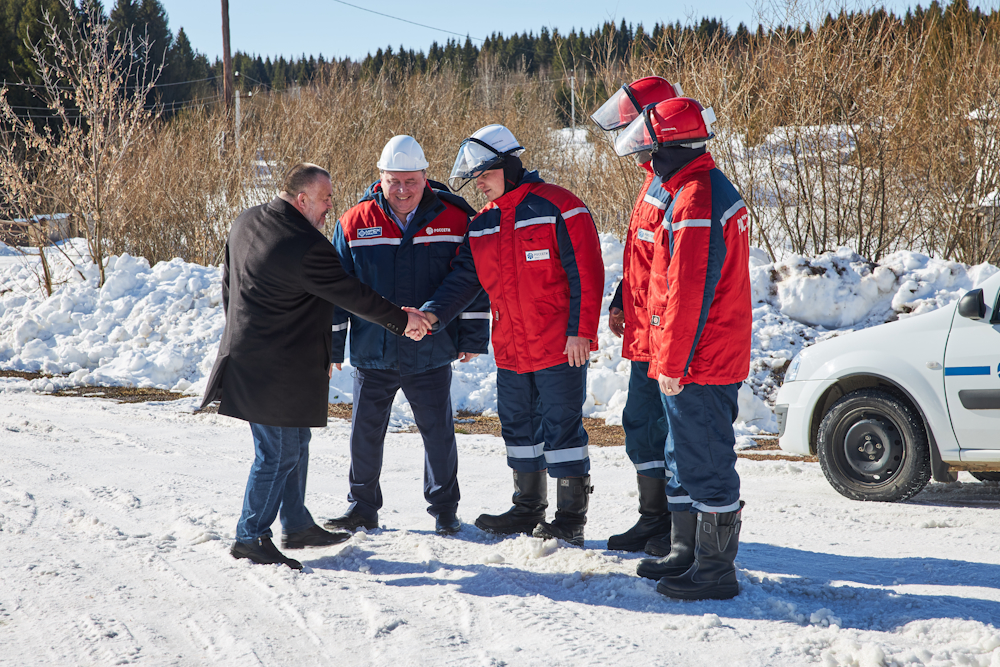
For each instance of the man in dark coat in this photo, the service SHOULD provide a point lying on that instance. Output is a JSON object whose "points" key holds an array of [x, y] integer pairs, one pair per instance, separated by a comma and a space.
{"points": [[281, 279]]}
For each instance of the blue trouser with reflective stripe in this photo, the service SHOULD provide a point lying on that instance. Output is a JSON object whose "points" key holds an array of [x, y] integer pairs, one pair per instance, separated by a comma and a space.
{"points": [[645, 423], [700, 448], [429, 395], [541, 418]]}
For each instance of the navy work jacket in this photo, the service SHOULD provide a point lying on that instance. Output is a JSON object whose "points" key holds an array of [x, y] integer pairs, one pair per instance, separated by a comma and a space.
{"points": [[406, 267]]}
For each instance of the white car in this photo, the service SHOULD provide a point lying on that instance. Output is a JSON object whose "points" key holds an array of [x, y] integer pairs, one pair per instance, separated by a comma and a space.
{"points": [[887, 408]]}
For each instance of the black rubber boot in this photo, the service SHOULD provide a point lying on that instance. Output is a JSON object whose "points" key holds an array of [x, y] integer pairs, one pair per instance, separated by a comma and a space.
{"points": [[713, 574], [572, 500], [681, 553], [654, 518], [530, 490], [658, 546]]}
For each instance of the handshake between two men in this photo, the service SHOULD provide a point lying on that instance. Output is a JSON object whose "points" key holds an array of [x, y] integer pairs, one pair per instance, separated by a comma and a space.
{"points": [[419, 323]]}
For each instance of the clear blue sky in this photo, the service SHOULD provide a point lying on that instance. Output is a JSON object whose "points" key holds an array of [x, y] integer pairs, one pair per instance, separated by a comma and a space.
{"points": [[294, 27]]}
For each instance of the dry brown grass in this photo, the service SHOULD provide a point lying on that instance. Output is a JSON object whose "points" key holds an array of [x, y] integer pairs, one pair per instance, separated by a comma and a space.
{"points": [[915, 151]]}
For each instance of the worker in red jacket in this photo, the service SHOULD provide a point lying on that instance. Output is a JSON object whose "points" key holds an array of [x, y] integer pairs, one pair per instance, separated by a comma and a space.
{"points": [[700, 321], [643, 418], [535, 250]]}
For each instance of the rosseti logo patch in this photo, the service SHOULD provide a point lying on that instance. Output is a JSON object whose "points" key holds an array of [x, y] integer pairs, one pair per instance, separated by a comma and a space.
{"points": [[645, 235], [369, 232], [536, 255]]}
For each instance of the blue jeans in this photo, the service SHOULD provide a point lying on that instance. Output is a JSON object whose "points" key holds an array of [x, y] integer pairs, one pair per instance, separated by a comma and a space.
{"points": [[277, 480], [541, 419]]}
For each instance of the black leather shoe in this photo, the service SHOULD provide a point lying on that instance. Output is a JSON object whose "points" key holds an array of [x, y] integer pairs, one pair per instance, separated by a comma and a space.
{"points": [[447, 523], [313, 537], [351, 520], [263, 552]]}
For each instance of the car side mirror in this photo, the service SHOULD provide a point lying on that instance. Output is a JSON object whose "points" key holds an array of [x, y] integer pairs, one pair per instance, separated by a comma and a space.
{"points": [[972, 305]]}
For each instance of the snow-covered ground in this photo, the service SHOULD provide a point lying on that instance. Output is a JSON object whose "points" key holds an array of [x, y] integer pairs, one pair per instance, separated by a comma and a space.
{"points": [[115, 524]]}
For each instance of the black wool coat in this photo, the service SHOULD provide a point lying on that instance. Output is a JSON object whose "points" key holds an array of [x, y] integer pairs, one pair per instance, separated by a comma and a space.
{"points": [[281, 279]]}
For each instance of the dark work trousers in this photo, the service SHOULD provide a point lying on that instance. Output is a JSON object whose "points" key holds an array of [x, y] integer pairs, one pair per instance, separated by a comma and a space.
{"points": [[700, 448], [541, 418], [645, 423], [429, 394]]}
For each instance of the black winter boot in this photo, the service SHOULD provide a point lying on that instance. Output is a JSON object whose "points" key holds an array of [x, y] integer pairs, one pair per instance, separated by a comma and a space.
{"points": [[572, 500], [658, 546], [654, 518], [713, 574], [681, 553], [530, 491]]}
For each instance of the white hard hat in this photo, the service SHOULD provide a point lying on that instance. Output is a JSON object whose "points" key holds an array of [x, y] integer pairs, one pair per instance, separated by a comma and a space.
{"points": [[481, 152], [402, 153]]}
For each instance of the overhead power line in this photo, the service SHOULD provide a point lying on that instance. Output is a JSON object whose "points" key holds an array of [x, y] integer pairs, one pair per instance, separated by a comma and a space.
{"points": [[396, 18]]}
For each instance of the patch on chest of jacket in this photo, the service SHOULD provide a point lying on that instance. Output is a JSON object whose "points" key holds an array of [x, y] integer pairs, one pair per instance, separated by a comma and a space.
{"points": [[536, 255], [645, 235], [368, 232]]}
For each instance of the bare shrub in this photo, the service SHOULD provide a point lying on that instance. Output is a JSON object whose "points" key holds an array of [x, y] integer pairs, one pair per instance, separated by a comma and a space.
{"points": [[95, 89]]}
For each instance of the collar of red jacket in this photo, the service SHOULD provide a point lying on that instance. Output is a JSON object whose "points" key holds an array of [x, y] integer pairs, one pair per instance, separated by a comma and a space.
{"points": [[701, 163]]}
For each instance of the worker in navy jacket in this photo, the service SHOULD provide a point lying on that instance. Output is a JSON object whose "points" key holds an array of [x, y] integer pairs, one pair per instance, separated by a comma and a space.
{"points": [[700, 320], [400, 239], [535, 250]]}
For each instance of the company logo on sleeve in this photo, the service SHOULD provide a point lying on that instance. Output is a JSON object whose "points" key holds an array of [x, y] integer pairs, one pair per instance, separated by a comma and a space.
{"points": [[536, 255], [369, 232]]}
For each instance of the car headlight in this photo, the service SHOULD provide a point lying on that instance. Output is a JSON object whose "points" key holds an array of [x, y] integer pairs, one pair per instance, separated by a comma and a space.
{"points": [[793, 368]]}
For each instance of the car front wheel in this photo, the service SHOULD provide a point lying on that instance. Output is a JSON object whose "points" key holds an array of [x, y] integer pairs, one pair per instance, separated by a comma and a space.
{"points": [[873, 446]]}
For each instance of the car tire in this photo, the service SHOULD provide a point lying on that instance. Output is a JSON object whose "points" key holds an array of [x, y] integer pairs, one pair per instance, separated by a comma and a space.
{"points": [[986, 476], [873, 446]]}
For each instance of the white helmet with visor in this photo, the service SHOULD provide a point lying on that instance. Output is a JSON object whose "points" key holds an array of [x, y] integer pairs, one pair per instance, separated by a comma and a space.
{"points": [[482, 152]]}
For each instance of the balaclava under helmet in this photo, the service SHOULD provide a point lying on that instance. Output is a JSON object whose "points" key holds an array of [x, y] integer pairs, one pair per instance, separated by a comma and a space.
{"points": [[512, 171], [668, 160]]}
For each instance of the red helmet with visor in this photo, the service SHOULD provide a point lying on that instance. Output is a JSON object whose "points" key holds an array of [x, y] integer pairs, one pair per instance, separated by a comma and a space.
{"points": [[629, 101], [680, 121]]}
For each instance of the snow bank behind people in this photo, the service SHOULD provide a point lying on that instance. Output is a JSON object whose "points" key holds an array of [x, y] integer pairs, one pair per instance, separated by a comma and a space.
{"points": [[160, 326]]}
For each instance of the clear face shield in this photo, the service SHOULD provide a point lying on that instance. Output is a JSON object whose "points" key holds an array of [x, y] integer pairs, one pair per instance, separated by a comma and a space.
{"points": [[620, 110], [638, 137], [475, 157]]}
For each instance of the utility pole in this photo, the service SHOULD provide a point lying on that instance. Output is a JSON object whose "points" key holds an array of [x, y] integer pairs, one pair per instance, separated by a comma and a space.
{"points": [[572, 102], [227, 60], [236, 129]]}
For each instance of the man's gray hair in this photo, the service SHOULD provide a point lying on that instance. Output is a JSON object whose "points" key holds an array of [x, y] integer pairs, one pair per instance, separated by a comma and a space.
{"points": [[301, 176]]}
